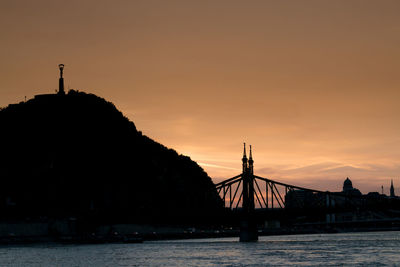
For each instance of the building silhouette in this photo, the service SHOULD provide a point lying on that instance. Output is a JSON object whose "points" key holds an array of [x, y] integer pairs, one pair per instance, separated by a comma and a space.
{"points": [[349, 189], [348, 205]]}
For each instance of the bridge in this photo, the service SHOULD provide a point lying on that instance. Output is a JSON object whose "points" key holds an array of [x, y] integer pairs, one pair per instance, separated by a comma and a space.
{"points": [[248, 192]]}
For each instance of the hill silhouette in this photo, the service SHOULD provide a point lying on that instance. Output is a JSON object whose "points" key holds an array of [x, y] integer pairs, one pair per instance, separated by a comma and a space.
{"points": [[77, 155]]}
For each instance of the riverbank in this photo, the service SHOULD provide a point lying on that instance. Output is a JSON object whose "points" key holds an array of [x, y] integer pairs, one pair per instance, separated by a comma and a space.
{"points": [[28, 233]]}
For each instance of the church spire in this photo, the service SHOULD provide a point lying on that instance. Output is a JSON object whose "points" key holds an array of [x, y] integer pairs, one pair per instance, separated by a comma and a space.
{"points": [[61, 80], [392, 189]]}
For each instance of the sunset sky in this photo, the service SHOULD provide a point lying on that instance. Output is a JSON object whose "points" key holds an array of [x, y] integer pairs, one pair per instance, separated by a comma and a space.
{"points": [[314, 86]]}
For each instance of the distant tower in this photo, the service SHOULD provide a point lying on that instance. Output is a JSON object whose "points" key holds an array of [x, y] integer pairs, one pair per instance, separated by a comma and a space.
{"points": [[244, 159], [61, 81], [392, 189]]}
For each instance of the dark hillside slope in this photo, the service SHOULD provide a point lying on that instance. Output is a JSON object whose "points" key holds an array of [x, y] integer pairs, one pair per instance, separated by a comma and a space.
{"points": [[77, 155]]}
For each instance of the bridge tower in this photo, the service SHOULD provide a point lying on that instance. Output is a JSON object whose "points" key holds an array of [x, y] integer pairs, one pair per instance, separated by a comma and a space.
{"points": [[251, 183], [248, 226], [245, 178]]}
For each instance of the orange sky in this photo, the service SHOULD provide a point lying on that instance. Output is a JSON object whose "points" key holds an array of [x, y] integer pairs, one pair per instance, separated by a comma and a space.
{"points": [[312, 85]]}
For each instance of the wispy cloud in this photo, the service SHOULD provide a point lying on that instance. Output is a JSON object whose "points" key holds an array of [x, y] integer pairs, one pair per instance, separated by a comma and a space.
{"points": [[216, 166]]}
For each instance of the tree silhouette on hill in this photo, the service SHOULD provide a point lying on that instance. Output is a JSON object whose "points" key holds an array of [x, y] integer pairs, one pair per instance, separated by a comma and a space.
{"points": [[76, 154]]}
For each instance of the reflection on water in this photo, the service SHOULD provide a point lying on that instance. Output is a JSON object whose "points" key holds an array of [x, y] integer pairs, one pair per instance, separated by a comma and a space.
{"points": [[371, 249]]}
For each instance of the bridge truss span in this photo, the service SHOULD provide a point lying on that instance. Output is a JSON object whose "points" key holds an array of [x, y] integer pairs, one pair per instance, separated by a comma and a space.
{"points": [[270, 194]]}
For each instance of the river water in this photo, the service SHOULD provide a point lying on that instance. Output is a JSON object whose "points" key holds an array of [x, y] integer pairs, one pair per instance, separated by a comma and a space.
{"points": [[348, 249]]}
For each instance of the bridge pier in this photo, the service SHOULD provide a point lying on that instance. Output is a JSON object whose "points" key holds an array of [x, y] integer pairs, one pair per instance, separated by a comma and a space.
{"points": [[248, 230]]}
